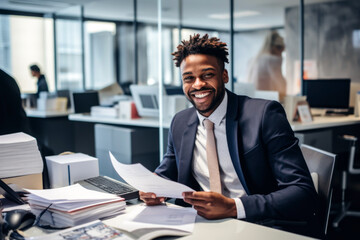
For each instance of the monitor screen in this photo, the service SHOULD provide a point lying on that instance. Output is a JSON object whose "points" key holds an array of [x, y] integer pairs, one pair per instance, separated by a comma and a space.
{"points": [[327, 93], [146, 100], [83, 101]]}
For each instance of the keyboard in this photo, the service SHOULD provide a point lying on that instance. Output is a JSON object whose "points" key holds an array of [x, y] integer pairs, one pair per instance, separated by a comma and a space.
{"points": [[113, 186]]}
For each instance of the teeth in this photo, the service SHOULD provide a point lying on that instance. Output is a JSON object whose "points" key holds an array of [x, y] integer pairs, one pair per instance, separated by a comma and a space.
{"points": [[201, 95]]}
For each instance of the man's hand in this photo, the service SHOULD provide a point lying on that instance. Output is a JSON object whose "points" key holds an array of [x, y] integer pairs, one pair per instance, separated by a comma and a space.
{"points": [[211, 205], [150, 198]]}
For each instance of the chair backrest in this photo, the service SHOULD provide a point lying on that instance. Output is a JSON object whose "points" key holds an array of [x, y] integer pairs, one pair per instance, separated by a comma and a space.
{"points": [[322, 163]]}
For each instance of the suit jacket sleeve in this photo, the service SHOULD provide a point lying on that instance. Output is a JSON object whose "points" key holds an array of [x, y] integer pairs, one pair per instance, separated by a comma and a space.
{"points": [[168, 167], [295, 196]]}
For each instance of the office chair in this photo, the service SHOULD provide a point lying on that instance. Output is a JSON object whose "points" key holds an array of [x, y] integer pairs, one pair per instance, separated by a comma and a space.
{"points": [[344, 208], [322, 163]]}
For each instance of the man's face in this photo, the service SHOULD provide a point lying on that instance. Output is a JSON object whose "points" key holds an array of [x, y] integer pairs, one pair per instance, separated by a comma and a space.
{"points": [[203, 82], [33, 73]]}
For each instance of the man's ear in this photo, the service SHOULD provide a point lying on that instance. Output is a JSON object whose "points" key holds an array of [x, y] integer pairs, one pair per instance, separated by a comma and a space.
{"points": [[225, 76]]}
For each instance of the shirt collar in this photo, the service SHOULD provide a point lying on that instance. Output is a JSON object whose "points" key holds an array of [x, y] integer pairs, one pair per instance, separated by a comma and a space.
{"points": [[218, 115]]}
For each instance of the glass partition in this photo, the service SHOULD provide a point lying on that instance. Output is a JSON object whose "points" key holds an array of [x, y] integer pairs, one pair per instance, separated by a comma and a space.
{"points": [[121, 15], [332, 42], [24, 41], [99, 43], [263, 45], [69, 48], [207, 16]]}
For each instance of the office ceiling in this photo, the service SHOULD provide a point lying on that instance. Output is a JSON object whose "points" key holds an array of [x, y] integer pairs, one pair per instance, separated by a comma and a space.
{"points": [[212, 14]]}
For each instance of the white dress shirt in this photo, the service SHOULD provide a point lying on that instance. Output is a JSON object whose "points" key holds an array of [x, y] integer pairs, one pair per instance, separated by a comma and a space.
{"points": [[230, 183]]}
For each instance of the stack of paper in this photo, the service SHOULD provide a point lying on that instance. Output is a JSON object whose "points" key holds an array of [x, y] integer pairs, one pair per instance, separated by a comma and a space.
{"points": [[74, 205], [19, 155]]}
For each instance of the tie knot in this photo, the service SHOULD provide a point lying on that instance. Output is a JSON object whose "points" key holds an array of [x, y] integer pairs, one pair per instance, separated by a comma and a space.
{"points": [[209, 125]]}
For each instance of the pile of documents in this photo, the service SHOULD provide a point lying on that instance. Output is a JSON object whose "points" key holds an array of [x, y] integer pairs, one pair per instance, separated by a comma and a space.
{"points": [[19, 155], [73, 205]]}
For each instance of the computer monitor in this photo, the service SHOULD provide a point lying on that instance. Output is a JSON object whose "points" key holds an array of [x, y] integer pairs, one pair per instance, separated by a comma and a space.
{"points": [[66, 94], [83, 101], [327, 93], [146, 100], [173, 90]]}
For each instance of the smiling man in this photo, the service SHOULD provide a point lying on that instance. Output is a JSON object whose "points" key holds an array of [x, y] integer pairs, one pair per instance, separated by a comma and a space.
{"points": [[260, 172]]}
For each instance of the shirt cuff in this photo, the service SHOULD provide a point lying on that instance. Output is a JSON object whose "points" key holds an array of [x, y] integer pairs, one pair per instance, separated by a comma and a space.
{"points": [[239, 208]]}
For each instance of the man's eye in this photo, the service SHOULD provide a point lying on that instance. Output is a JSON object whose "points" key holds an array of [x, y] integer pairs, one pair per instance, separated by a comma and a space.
{"points": [[189, 78], [208, 75]]}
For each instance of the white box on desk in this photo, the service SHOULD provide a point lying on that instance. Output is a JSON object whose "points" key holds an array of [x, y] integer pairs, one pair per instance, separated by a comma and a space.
{"points": [[67, 169]]}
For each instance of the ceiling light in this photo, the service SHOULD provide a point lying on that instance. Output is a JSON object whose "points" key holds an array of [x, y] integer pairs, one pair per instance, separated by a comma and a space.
{"points": [[241, 14]]}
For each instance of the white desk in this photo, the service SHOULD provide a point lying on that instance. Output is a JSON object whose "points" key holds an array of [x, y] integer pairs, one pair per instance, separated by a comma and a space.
{"points": [[46, 114], [326, 122], [318, 122], [140, 122], [213, 229], [236, 229], [224, 229]]}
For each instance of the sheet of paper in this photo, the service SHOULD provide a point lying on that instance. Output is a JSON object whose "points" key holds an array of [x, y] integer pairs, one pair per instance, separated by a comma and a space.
{"points": [[16, 207], [157, 217], [74, 192], [142, 179]]}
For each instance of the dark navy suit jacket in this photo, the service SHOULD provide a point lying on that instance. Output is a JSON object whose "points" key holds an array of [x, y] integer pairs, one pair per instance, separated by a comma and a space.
{"points": [[265, 155]]}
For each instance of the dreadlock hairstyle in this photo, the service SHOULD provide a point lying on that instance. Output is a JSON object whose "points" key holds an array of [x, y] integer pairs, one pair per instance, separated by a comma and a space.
{"points": [[201, 45]]}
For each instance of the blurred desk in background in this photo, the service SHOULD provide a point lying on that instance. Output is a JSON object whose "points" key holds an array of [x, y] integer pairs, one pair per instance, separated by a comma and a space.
{"points": [[323, 131], [52, 128]]}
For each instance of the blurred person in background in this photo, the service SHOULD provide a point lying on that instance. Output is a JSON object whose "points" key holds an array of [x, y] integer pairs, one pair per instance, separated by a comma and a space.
{"points": [[265, 71], [41, 83]]}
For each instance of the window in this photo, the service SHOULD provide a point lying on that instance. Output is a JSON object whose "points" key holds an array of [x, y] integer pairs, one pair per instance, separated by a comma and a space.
{"points": [[25, 41], [99, 54]]}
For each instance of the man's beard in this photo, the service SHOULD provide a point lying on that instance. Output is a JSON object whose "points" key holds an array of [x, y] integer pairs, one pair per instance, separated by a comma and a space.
{"points": [[214, 103]]}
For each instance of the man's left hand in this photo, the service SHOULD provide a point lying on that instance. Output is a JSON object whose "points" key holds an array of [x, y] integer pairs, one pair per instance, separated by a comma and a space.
{"points": [[211, 205]]}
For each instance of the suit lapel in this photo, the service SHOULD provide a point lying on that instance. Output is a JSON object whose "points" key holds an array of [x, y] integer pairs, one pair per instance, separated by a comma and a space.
{"points": [[232, 136], [186, 152]]}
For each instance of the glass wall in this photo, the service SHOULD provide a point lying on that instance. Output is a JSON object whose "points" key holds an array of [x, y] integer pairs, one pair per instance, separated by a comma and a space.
{"points": [[262, 45], [99, 42], [69, 49], [332, 42], [25, 41]]}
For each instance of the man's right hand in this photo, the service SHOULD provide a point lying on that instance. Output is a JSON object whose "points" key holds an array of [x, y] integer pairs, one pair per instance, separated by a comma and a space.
{"points": [[150, 198]]}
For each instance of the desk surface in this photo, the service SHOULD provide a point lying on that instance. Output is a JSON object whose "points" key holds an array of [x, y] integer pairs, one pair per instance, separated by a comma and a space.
{"points": [[140, 122], [326, 122], [46, 114], [225, 229], [318, 122], [236, 229]]}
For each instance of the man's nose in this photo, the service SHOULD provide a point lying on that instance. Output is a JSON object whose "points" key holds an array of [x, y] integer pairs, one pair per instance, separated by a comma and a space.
{"points": [[198, 84]]}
